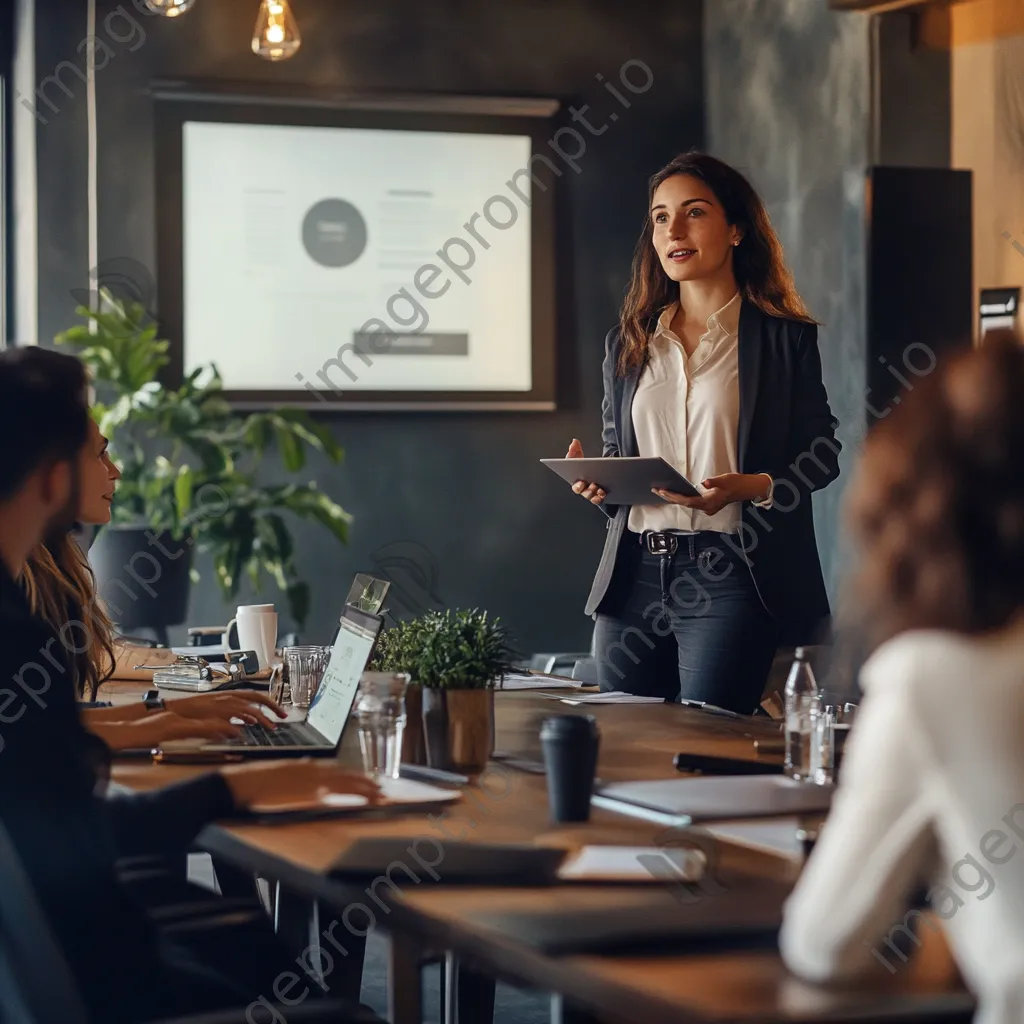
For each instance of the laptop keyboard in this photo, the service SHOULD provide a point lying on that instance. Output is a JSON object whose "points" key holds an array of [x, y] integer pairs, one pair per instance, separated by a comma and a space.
{"points": [[282, 736]]}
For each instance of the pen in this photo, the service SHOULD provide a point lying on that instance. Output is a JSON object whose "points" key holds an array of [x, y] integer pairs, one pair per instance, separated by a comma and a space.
{"points": [[134, 752], [424, 774], [713, 709]]}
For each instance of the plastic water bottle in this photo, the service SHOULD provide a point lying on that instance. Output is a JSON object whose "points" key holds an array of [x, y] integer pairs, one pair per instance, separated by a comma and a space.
{"points": [[801, 693]]}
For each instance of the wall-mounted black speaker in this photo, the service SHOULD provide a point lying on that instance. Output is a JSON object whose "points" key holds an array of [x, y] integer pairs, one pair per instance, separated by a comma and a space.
{"points": [[920, 292]]}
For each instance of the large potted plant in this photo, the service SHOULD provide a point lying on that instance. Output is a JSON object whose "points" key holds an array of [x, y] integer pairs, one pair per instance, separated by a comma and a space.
{"points": [[189, 462], [457, 658]]}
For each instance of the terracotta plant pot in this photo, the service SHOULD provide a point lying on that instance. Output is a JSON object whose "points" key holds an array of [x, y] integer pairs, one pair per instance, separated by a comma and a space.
{"points": [[435, 728], [414, 749], [470, 728]]}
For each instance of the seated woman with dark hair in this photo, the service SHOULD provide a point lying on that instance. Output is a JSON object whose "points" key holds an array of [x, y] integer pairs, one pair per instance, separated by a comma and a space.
{"points": [[932, 791], [60, 587]]}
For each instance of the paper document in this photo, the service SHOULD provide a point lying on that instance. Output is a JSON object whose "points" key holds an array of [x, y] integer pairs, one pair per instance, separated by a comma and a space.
{"points": [[634, 864], [537, 681], [776, 836], [612, 697], [392, 792]]}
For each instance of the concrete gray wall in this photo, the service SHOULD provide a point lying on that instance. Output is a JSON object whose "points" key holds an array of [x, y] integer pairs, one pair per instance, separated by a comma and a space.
{"points": [[788, 97]]}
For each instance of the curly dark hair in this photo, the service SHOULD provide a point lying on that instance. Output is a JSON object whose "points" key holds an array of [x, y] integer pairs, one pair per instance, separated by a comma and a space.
{"points": [[758, 263], [937, 504]]}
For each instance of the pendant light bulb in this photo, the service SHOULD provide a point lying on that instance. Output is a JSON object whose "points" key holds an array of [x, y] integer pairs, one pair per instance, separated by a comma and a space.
{"points": [[168, 8], [277, 35]]}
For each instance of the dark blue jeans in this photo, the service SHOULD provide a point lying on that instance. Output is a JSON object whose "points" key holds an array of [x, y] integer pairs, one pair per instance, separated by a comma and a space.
{"points": [[685, 625]]}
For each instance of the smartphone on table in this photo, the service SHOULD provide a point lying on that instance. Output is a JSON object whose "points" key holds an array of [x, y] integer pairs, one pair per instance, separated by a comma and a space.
{"points": [[704, 764]]}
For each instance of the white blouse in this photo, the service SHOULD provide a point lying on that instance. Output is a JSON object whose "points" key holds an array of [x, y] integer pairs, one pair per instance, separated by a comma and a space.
{"points": [[687, 410], [932, 793]]}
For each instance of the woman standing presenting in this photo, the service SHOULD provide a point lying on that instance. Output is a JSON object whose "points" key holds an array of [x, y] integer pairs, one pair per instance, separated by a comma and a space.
{"points": [[714, 367]]}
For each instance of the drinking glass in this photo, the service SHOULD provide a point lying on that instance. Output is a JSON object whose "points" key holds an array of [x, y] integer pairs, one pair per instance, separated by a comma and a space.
{"points": [[841, 733], [380, 716], [823, 721], [305, 668]]}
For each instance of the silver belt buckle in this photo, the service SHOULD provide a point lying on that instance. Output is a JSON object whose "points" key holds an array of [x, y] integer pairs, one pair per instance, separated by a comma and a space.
{"points": [[661, 543]]}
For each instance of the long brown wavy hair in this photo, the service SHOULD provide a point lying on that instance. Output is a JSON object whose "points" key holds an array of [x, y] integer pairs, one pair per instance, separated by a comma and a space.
{"points": [[758, 261], [937, 503], [61, 589]]}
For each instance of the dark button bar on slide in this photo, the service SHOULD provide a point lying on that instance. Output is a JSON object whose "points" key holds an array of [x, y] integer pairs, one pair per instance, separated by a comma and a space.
{"points": [[412, 344]]}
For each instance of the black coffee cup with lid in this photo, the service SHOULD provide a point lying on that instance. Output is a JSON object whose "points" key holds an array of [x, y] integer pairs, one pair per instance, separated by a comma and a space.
{"points": [[570, 744]]}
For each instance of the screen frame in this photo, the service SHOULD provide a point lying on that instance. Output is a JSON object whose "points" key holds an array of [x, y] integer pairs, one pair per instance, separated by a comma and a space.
{"points": [[362, 620], [179, 102]]}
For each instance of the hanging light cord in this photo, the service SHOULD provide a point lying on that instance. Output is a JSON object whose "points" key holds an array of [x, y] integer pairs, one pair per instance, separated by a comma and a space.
{"points": [[90, 102]]}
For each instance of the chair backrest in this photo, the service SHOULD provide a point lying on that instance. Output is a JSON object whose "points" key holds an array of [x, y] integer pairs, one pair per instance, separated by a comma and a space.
{"points": [[36, 984]]}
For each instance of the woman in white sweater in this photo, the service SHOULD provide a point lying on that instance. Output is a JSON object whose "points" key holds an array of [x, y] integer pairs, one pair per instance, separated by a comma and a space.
{"points": [[932, 792]]}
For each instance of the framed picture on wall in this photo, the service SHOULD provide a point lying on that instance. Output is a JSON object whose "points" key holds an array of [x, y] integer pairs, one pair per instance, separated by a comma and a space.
{"points": [[359, 253]]}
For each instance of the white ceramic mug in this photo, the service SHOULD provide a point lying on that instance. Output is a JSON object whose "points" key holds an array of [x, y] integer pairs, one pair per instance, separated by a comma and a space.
{"points": [[257, 630]]}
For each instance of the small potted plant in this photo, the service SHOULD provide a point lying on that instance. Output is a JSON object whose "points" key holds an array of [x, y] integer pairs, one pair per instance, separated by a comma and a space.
{"points": [[457, 658]]}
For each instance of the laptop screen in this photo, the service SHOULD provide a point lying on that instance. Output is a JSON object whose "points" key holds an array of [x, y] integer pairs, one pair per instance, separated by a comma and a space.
{"points": [[330, 708]]}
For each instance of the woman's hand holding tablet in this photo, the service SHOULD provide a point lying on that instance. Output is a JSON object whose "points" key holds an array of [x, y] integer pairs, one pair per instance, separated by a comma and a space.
{"points": [[624, 480], [720, 491], [584, 488]]}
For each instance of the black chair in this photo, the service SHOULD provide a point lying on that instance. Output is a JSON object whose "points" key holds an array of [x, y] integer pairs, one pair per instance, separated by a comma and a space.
{"points": [[37, 986]]}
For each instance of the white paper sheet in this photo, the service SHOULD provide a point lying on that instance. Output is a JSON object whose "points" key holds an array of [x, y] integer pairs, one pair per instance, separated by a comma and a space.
{"points": [[393, 792], [537, 681], [633, 864], [776, 836], [612, 697]]}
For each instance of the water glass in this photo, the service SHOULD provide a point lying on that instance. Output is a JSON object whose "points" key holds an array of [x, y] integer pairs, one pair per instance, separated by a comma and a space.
{"points": [[823, 723], [305, 668], [380, 716], [841, 733]]}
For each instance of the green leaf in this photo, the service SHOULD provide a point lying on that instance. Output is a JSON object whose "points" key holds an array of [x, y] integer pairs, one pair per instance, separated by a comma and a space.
{"points": [[320, 437], [281, 540], [292, 453], [183, 491], [313, 504], [258, 432]]}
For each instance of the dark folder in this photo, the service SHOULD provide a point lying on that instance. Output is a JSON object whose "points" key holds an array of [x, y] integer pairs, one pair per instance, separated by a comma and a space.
{"points": [[677, 918]]}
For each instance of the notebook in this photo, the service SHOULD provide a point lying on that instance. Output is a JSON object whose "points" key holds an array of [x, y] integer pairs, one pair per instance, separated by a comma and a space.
{"points": [[713, 798]]}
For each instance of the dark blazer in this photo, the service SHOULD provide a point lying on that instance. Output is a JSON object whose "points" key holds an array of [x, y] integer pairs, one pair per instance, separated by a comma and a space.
{"points": [[69, 840], [786, 429]]}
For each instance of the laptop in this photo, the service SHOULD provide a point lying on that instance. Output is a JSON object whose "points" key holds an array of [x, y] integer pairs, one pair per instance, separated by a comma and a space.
{"points": [[320, 733]]}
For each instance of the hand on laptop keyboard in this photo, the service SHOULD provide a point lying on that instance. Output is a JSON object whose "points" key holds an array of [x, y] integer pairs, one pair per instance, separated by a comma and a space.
{"points": [[164, 726], [246, 705]]}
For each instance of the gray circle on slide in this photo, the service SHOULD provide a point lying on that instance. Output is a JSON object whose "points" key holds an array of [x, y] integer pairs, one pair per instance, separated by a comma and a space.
{"points": [[334, 233]]}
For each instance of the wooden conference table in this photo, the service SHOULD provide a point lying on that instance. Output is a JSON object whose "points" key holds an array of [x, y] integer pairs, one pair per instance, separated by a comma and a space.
{"points": [[510, 805]]}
